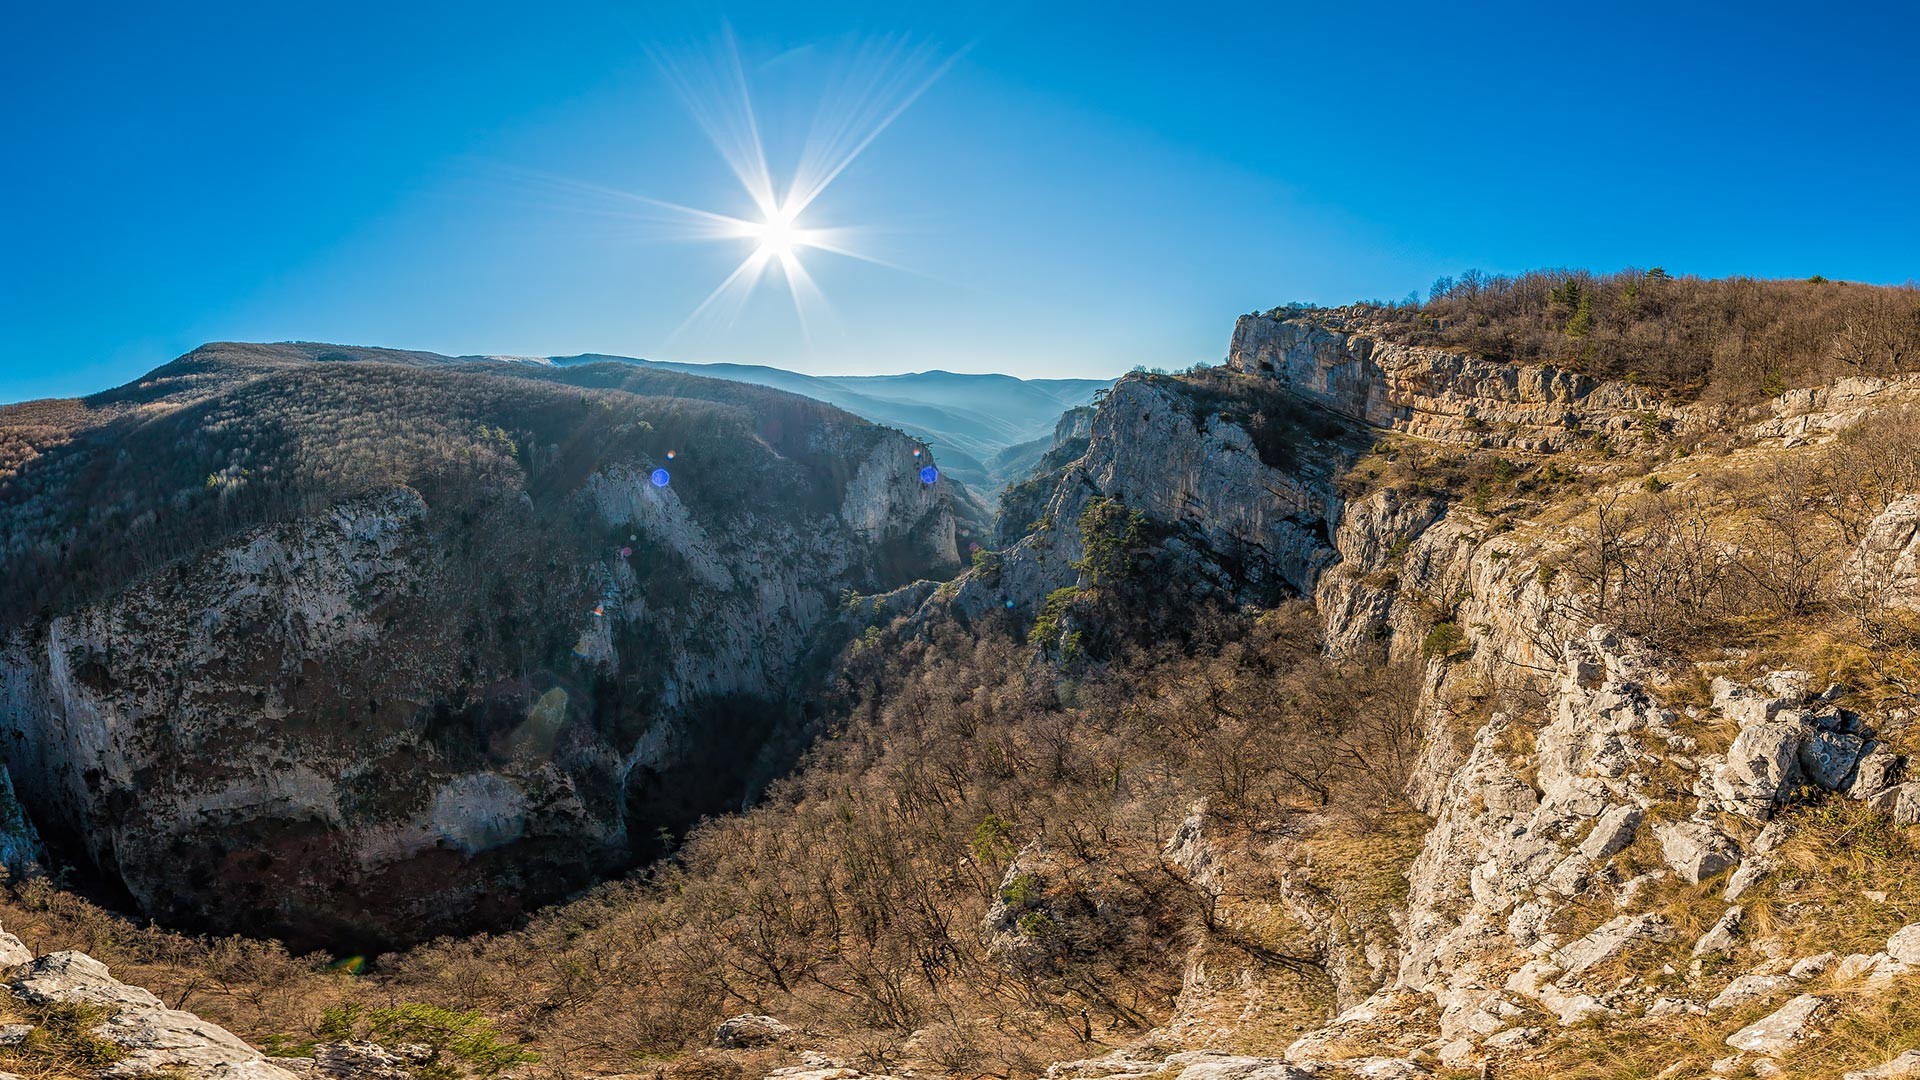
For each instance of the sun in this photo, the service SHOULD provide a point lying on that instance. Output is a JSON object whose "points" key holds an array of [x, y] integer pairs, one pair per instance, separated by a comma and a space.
{"points": [[778, 234]]}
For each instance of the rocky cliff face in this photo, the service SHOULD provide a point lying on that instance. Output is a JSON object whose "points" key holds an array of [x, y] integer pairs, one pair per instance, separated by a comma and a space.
{"points": [[1591, 836], [428, 707]]}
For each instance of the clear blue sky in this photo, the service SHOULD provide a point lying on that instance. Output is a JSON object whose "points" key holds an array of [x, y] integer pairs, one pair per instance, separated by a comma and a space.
{"points": [[1086, 188]]}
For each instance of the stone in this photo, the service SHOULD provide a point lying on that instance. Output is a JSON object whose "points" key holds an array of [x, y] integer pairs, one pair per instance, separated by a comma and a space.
{"points": [[1384, 1068], [1570, 877], [1695, 850], [1886, 565], [74, 977], [1212, 1065], [1746, 876], [13, 952], [1904, 1067], [749, 1032], [1612, 832], [1788, 687], [156, 1039], [1904, 945], [359, 1061], [1902, 802], [1723, 937], [1760, 767], [1783, 1030], [1828, 758], [1878, 770], [1772, 835], [1748, 989], [1610, 939], [1812, 966]]}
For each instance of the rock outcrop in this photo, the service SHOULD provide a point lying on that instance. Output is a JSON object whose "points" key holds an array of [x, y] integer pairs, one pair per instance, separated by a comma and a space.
{"points": [[152, 1039]]}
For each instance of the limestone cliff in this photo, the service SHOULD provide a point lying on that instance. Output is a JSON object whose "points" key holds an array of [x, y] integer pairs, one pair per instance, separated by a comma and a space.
{"points": [[425, 702], [1578, 800]]}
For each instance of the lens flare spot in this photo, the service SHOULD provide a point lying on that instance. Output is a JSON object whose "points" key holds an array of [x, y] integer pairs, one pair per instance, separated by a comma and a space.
{"points": [[929, 474], [626, 553], [661, 478], [671, 454]]}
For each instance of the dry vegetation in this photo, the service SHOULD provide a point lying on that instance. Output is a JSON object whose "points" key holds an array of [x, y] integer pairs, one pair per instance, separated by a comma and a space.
{"points": [[1727, 339], [968, 874]]}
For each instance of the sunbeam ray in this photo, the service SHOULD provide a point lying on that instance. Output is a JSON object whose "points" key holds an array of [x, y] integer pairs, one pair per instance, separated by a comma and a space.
{"points": [[869, 92]]}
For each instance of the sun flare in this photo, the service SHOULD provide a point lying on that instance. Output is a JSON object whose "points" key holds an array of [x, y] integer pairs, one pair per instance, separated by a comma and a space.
{"points": [[778, 235]]}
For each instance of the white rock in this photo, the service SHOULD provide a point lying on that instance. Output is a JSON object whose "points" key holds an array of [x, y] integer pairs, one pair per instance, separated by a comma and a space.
{"points": [[1610, 939], [1783, 1030], [157, 1039], [1879, 769], [1612, 832], [748, 1032], [1771, 837], [1695, 850], [13, 952], [1902, 801], [1745, 876], [1812, 966], [1748, 989], [1723, 937], [1904, 945], [1904, 1067]]}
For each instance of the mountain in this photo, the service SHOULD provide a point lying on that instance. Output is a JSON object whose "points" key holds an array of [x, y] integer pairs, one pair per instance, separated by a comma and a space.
{"points": [[1371, 705], [355, 646], [988, 429]]}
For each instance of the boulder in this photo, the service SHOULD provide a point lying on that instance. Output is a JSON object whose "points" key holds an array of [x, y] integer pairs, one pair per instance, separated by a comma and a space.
{"points": [[1885, 568], [1902, 802], [1904, 945], [1811, 966], [359, 1061], [1611, 833], [1748, 989], [1828, 758], [1875, 969], [749, 1032], [1878, 770], [1695, 850], [1745, 876], [1610, 939], [1761, 767], [1723, 937], [1783, 1030], [13, 952], [158, 1040], [1904, 1067]]}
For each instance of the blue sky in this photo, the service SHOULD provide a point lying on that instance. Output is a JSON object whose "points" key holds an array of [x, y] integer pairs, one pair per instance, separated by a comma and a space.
{"points": [[1085, 189]]}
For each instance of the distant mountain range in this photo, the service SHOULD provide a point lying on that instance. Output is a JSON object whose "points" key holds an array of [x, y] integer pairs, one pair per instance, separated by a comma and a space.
{"points": [[987, 430]]}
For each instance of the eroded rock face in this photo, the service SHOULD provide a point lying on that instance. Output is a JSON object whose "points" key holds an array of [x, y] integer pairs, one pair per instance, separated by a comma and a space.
{"points": [[1437, 394], [1885, 569], [1251, 530], [384, 721]]}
